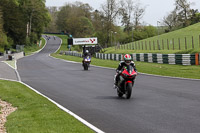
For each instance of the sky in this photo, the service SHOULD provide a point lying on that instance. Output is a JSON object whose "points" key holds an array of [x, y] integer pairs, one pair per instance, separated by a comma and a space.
{"points": [[155, 9]]}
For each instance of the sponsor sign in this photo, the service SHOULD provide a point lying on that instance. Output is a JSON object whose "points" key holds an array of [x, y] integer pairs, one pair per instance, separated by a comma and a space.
{"points": [[83, 41]]}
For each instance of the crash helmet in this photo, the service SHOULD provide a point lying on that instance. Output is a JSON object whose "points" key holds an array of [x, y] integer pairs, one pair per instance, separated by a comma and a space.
{"points": [[127, 59], [86, 51]]}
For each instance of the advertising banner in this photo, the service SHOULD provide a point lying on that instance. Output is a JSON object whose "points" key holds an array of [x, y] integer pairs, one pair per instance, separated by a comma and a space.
{"points": [[84, 41]]}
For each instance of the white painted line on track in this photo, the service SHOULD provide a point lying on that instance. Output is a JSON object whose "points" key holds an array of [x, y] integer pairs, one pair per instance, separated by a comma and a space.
{"points": [[58, 105], [59, 46], [66, 110], [18, 76], [61, 107]]}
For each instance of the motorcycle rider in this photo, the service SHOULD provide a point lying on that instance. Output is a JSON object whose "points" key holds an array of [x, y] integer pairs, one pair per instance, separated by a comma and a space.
{"points": [[85, 55], [127, 61]]}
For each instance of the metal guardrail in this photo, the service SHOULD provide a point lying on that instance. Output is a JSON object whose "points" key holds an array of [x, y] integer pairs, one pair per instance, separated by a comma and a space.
{"points": [[181, 59]]}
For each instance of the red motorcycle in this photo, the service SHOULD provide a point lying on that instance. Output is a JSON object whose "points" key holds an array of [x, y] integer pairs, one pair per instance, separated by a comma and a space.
{"points": [[126, 81]]}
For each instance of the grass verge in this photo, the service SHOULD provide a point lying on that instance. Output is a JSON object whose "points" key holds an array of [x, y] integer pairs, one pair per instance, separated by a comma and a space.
{"points": [[33, 48], [144, 67], [35, 113]]}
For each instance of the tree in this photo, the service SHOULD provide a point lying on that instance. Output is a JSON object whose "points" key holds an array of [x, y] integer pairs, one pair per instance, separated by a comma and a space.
{"points": [[183, 9], [14, 27], [171, 21], [126, 11], [52, 27], [3, 37], [25, 20], [36, 16], [195, 16], [75, 19], [138, 14], [110, 10]]}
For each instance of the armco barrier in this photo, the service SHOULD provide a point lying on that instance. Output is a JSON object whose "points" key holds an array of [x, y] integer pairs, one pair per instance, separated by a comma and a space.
{"points": [[182, 59], [73, 53]]}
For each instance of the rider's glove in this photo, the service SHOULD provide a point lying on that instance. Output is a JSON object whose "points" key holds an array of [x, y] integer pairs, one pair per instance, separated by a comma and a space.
{"points": [[118, 71]]}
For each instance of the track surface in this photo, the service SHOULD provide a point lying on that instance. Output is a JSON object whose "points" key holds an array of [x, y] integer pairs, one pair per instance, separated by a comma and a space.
{"points": [[157, 105]]}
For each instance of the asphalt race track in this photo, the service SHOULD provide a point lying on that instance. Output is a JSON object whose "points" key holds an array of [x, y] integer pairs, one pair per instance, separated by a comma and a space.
{"points": [[157, 105]]}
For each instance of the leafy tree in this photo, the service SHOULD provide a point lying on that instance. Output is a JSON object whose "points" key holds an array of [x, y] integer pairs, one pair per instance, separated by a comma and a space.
{"points": [[25, 20], [75, 19], [195, 16], [14, 27], [110, 10], [3, 37], [52, 27], [36, 17], [183, 8], [138, 14], [126, 11]]}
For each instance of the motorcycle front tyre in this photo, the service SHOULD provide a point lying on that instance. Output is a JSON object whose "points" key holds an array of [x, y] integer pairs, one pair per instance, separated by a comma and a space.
{"points": [[85, 65], [128, 90]]}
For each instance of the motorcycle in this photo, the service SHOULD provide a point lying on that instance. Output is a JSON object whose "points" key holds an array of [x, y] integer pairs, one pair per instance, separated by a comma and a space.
{"points": [[86, 62], [126, 81]]}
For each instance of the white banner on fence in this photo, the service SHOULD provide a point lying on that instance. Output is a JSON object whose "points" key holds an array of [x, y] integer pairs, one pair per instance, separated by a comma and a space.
{"points": [[83, 41]]}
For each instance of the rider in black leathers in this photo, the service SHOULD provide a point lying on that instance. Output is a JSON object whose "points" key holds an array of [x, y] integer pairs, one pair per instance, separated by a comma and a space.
{"points": [[127, 61]]}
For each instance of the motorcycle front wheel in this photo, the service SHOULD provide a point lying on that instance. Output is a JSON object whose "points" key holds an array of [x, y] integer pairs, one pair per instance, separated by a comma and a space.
{"points": [[85, 65], [128, 90]]}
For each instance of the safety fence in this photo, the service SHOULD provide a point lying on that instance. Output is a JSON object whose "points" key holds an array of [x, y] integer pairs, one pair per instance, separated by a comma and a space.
{"points": [[182, 59], [183, 43]]}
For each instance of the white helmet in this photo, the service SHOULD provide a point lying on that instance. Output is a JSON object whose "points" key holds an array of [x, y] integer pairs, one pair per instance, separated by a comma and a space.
{"points": [[86, 51], [127, 59]]}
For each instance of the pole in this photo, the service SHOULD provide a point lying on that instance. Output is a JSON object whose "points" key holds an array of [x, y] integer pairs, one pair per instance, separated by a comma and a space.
{"points": [[158, 36], [111, 38]]}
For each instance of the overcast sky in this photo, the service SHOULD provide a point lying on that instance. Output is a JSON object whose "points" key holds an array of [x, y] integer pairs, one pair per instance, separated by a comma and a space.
{"points": [[155, 9]]}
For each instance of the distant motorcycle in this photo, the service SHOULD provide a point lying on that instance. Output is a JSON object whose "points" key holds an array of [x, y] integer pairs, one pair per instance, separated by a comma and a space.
{"points": [[126, 82], [86, 62]]}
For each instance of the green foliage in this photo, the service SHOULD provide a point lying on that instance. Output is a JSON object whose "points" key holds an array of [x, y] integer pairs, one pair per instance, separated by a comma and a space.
{"points": [[75, 19], [31, 48], [22, 16], [52, 27], [15, 25]]}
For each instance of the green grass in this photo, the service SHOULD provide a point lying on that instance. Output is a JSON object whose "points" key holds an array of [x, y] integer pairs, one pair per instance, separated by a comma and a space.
{"points": [[35, 114], [144, 67], [187, 32], [33, 48]]}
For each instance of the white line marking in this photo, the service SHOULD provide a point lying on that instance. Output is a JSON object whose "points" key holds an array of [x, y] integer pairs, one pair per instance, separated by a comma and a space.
{"points": [[68, 111], [61, 107], [59, 46]]}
